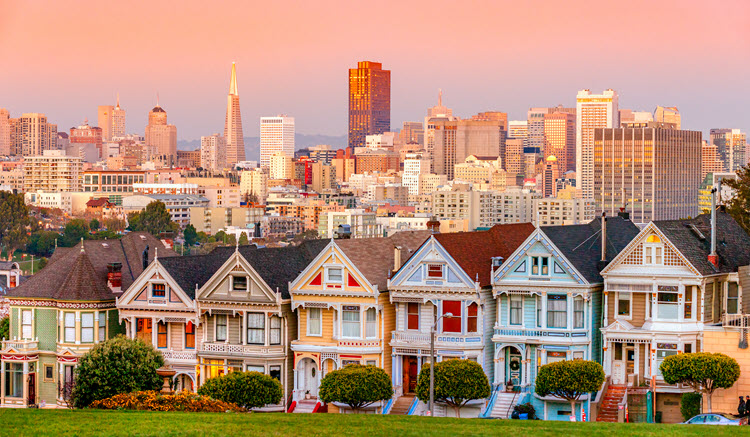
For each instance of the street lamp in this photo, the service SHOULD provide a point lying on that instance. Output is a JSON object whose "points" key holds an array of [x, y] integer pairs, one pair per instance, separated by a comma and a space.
{"points": [[432, 360]]}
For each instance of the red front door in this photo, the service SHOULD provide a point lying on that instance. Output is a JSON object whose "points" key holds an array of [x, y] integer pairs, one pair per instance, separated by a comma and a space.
{"points": [[31, 400]]}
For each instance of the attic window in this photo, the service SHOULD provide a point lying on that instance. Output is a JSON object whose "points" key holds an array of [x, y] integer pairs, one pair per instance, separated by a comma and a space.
{"points": [[434, 271], [653, 238], [158, 290], [335, 275], [239, 283]]}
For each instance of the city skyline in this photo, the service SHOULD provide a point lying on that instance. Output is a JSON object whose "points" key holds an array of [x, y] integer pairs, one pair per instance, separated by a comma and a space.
{"points": [[188, 69]]}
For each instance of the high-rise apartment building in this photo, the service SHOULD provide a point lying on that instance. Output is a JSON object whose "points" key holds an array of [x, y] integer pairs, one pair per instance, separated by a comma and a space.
{"points": [[667, 115], [213, 152], [276, 135], [281, 166], [560, 139], [254, 182], [592, 111], [454, 140], [550, 174], [711, 162], [161, 138], [52, 171], [630, 116], [112, 121], [31, 135], [414, 166], [369, 102], [731, 145], [4, 132], [233, 123], [653, 171]]}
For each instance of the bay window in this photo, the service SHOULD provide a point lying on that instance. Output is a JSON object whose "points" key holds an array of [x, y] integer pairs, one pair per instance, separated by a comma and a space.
{"points": [[668, 306], [472, 313], [538, 311], [87, 327], [189, 335], [733, 298], [371, 324], [688, 309], [275, 372], [314, 321], [412, 316], [452, 324], [664, 350], [557, 311], [256, 328], [350, 321], [578, 312], [516, 310], [70, 327], [275, 332], [221, 327], [13, 379], [26, 331], [555, 356], [102, 325]]}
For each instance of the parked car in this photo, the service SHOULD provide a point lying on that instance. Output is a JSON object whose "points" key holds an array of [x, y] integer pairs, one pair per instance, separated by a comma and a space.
{"points": [[716, 419]]}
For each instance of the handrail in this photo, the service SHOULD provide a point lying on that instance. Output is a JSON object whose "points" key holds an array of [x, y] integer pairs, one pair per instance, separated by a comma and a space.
{"points": [[414, 406], [388, 406], [623, 406], [491, 402], [315, 408], [512, 404], [292, 406]]}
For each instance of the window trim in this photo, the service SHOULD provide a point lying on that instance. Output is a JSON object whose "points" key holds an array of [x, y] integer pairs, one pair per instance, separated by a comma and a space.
{"points": [[557, 311], [319, 320], [151, 290], [271, 319], [102, 327], [66, 327], [435, 265], [328, 277], [239, 290], [358, 322], [583, 312], [216, 327], [369, 323], [418, 314], [30, 312], [46, 366], [629, 296], [511, 299], [736, 298], [93, 319], [187, 334], [262, 317]]}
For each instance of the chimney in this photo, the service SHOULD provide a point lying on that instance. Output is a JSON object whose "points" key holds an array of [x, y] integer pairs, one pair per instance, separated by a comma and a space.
{"points": [[114, 276], [145, 257], [396, 258], [603, 261], [433, 225], [713, 258], [624, 214]]}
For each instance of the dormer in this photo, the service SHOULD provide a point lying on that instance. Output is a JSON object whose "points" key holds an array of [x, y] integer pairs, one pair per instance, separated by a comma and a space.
{"points": [[653, 251]]}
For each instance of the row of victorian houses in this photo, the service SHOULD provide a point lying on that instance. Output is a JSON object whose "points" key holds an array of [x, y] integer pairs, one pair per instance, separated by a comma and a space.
{"points": [[512, 298]]}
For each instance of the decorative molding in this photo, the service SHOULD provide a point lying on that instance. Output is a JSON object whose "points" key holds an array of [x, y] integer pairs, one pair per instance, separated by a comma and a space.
{"points": [[58, 304]]}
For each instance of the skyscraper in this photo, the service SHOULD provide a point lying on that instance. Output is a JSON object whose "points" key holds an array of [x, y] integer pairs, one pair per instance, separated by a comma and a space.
{"points": [[710, 160], [161, 138], [560, 139], [213, 152], [276, 135], [369, 102], [732, 147], [667, 115], [112, 121], [4, 132], [518, 129], [233, 123], [31, 135], [454, 140], [592, 111], [654, 170]]}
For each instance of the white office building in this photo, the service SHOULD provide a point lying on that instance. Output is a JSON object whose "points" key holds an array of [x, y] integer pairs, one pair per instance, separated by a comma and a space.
{"points": [[276, 135]]}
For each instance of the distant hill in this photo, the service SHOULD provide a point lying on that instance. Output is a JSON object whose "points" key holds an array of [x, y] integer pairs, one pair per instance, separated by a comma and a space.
{"points": [[252, 144]]}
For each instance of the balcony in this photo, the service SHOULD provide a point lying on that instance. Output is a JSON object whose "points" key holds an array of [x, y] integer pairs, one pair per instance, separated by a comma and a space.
{"points": [[179, 355], [21, 346], [241, 349], [735, 320], [422, 339], [540, 333]]}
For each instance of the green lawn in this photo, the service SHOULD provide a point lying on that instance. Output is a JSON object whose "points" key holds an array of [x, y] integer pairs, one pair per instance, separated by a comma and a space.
{"points": [[97, 422]]}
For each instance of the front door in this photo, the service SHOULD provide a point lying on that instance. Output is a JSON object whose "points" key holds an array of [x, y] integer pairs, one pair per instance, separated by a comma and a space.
{"points": [[32, 390], [311, 377], [618, 372], [411, 373], [514, 369]]}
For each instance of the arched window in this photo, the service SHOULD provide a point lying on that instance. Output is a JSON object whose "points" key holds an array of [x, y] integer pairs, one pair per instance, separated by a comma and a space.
{"points": [[653, 250]]}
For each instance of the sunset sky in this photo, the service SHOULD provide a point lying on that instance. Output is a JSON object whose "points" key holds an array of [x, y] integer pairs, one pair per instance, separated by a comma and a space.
{"points": [[64, 58]]}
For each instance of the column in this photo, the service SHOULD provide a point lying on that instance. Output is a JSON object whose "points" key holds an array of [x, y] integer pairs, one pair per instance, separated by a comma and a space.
{"points": [[25, 382], [243, 332], [133, 327], [605, 356], [544, 309], [96, 327], [78, 327], [605, 323], [154, 329], [2, 382]]}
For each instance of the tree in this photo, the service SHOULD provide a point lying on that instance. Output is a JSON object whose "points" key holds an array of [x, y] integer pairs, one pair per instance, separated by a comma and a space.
{"points": [[356, 385], [5, 328], [74, 231], [14, 219], [114, 224], [739, 206], [231, 239], [310, 234], [569, 380], [690, 405], [221, 237], [190, 235], [243, 239], [155, 219], [42, 243], [456, 383], [118, 365], [246, 389], [94, 225], [704, 372]]}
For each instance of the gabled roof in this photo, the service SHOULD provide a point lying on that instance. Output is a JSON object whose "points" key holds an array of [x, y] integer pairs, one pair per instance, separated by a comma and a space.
{"points": [[474, 251], [732, 242], [582, 244], [68, 277], [277, 266], [374, 257]]}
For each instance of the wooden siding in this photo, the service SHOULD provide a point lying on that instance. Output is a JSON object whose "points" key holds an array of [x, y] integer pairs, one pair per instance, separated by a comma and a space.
{"points": [[176, 335], [708, 302], [489, 316], [611, 304], [595, 316], [639, 303], [233, 329], [388, 321], [327, 331], [426, 317]]}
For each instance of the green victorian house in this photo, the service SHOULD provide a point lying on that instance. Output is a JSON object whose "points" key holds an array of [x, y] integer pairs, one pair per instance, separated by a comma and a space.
{"points": [[58, 314]]}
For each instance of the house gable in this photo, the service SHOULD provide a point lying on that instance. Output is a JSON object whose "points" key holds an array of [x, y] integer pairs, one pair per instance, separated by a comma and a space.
{"points": [[237, 281], [141, 292], [332, 272], [431, 266]]}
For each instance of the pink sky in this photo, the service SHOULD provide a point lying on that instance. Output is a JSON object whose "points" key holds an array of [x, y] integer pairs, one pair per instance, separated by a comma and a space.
{"points": [[65, 58]]}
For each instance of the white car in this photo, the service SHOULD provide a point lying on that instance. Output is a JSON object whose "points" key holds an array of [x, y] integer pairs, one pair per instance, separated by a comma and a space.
{"points": [[716, 419]]}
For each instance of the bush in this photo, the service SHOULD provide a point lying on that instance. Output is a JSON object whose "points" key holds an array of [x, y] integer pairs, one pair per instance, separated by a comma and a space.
{"points": [[702, 371], [526, 408], [569, 380], [690, 405], [456, 383], [246, 389], [356, 385], [118, 365], [155, 401]]}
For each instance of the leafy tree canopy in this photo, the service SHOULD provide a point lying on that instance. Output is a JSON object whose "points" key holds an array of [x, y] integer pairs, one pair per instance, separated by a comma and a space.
{"points": [[569, 379], [155, 219], [243, 239], [118, 365], [42, 243], [5, 328], [356, 385], [94, 225], [704, 372], [246, 389], [456, 383], [74, 231], [14, 219], [190, 235], [739, 206]]}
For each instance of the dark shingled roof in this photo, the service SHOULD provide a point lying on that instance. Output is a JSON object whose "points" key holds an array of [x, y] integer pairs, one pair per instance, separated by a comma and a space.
{"points": [[474, 251], [277, 266], [374, 257], [582, 244], [70, 275], [732, 242]]}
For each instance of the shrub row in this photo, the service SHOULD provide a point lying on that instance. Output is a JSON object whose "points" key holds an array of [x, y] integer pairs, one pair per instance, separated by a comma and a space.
{"points": [[155, 401]]}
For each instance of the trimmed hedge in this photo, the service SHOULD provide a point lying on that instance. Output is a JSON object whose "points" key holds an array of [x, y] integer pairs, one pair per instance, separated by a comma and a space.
{"points": [[456, 383], [155, 401], [356, 385], [246, 389]]}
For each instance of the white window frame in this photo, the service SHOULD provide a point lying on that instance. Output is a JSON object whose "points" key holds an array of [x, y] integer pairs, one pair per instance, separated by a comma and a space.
{"points": [[216, 327], [583, 312], [328, 275], [737, 298], [318, 321], [652, 251], [659, 306], [371, 323], [27, 324], [260, 316], [357, 323], [271, 321], [511, 299], [151, 290], [66, 327], [434, 278], [247, 284], [87, 329], [102, 325], [629, 298]]}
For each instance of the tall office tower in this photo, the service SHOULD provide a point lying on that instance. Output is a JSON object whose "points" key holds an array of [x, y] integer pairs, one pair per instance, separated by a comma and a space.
{"points": [[434, 113], [514, 159], [535, 127], [550, 174], [4, 132], [592, 111], [560, 139], [667, 115], [732, 147], [112, 121], [500, 117], [653, 171], [710, 160], [414, 166], [412, 132], [456, 139], [276, 135], [518, 129], [161, 138], [85, 134], [630, 116], [369, 102], [213, 152], [31, 135], [233, 123]]}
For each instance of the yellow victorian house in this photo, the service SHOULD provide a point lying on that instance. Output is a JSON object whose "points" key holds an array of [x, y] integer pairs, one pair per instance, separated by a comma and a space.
{"points": [[343, 309]]}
